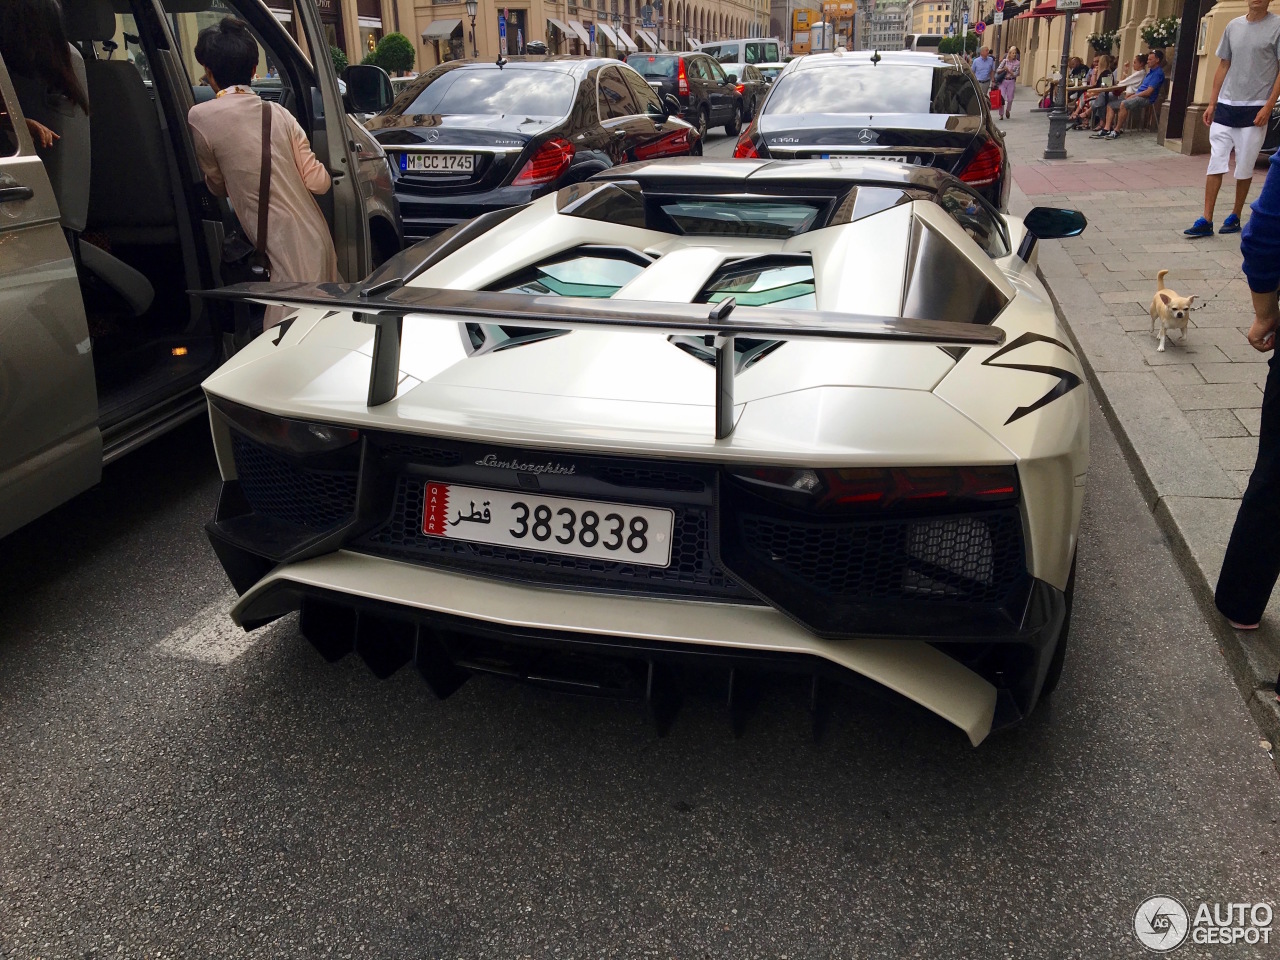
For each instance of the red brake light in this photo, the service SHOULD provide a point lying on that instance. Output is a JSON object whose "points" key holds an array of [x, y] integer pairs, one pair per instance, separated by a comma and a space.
{"points": [[682, 80], [549, 163], [746, 147], [868, 487], [739, 88], [984, 168]]}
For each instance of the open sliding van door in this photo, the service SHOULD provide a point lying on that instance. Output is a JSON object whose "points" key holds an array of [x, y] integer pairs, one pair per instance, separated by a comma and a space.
{"points": [[335, 150], [50, 446]]}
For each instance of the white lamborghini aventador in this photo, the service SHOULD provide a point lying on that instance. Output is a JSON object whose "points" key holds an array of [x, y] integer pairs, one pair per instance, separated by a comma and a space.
{"points": [[806, 416]]}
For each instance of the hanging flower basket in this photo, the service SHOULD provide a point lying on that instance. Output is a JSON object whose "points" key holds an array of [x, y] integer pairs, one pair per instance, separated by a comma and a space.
{"points": [[1103, 42], [1162, 33]]}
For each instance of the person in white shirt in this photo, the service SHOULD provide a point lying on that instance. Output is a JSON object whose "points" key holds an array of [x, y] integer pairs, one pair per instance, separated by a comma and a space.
{"points": [[1244, 94]]}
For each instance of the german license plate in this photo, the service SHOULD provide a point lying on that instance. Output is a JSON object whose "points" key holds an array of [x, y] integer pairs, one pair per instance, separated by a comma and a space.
{"points": [[438, 162], [898, 157], [578, 528]]}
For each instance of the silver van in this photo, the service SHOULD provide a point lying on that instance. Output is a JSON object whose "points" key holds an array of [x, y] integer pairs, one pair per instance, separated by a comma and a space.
{"points": [[735, 54], [101, 346]]}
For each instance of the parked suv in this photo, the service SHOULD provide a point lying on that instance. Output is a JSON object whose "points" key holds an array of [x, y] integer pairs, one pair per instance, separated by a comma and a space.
{"points": [[708, 96], [101, 346]]}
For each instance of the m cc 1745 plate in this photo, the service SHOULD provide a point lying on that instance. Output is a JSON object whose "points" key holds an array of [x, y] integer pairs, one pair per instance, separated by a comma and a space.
{"points": [[578, 528]]}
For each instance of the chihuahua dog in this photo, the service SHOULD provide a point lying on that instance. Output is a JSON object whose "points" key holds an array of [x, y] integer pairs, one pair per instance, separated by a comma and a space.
{"points": [[1171, 310]]}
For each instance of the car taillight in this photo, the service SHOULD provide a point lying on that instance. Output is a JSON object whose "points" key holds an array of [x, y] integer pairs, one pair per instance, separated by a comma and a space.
{"points": [[739, 88], [984, 168], [884, 487], [746, 146], [682, 80], [550, 161]]}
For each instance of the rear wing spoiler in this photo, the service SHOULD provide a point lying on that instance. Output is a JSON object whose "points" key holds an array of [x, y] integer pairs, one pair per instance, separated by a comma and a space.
{"points": [[386, 304]]}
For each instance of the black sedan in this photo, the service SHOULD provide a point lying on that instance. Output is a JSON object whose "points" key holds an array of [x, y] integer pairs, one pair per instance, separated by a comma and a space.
{"points": [[708, 96], [471, 137], [920, 108]]}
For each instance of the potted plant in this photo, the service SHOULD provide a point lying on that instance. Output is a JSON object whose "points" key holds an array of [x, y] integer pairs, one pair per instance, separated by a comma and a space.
{"points": [[1103, 42], [1161, 33]]}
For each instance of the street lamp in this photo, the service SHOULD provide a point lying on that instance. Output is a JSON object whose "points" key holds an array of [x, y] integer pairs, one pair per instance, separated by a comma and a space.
{"points": [[472, 7], [617, 28], [1056, 147]]}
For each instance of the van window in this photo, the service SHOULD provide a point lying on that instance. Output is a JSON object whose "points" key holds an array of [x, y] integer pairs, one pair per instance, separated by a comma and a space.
{"points": [[759, 52], [728, 53]]}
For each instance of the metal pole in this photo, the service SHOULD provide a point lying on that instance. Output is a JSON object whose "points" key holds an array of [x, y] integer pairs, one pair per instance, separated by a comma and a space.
{"points": [[1056, 148]]}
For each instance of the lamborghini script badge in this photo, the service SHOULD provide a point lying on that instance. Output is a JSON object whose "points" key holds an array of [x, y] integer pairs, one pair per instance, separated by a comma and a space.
{"points": [[550, 467]]}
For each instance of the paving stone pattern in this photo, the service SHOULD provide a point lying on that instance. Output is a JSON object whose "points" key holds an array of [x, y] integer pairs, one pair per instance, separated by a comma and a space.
{"points": [[1190, 414]]}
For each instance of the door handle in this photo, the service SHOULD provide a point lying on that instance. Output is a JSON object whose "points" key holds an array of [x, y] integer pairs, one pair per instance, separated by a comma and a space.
{"points": [[619, 134], [15, 193]]}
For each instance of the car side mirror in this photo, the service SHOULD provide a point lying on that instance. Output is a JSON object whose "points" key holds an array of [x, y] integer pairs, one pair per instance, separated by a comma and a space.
{"points": [[671, 105], [368, 89], [733, 78], [1054, 223]]}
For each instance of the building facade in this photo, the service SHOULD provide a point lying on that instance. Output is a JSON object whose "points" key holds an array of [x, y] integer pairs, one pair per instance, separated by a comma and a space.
{"points": [[886, 26], [927, 17], [443, 30]]}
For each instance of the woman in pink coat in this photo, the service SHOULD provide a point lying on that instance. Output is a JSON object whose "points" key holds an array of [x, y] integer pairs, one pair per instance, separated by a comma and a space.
{"points": [[228, 139]]}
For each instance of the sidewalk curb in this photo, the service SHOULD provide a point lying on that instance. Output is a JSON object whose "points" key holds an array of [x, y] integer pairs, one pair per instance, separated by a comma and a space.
{"points": [[1244, 652]]}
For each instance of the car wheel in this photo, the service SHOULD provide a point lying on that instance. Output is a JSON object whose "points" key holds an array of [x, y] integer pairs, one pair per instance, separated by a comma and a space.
{"points": [[1054, 674], [704, 121], [734, 125]]}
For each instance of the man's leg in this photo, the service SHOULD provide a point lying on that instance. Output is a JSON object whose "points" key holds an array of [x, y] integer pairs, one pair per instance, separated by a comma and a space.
{"points": [[1242, 194], [1212, 184]]}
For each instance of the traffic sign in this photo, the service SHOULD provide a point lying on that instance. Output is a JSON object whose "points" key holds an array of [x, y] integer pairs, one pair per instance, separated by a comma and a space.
{"points": [[1068, 6], [1000, 6], [998, 17], [502, 28], [980, 28]]}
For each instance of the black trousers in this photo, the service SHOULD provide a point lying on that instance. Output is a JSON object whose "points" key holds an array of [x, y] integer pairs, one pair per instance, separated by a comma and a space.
{"points": [[1252, 563]]}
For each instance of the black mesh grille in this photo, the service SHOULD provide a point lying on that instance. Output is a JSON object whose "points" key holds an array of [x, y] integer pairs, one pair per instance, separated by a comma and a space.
{"points": [[282, 490], [691, 572], [968, 559]]}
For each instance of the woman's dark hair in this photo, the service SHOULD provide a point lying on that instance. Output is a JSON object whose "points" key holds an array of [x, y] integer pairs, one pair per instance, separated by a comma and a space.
{"points": [[34, 44], [228, 51]]}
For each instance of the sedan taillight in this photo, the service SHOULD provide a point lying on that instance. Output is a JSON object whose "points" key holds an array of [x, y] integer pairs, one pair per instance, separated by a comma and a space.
{"points": [[746, 146], [984, 168], [549, 163], [682, 80]]}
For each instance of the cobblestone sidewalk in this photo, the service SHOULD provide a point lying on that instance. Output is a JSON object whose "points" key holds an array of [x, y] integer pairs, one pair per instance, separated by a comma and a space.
{"points": [[1189, 416]]}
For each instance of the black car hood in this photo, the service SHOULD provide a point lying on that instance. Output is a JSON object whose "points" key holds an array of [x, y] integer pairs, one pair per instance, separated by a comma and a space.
{"points": [[430, 128]]}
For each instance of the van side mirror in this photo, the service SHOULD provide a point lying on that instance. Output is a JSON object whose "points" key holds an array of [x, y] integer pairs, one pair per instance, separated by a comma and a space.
{"points": [[1053, 223], [368, 89]]}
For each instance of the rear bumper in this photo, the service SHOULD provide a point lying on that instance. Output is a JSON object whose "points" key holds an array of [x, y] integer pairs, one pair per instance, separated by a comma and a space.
{"points": [[424, 216], [375, 601]]}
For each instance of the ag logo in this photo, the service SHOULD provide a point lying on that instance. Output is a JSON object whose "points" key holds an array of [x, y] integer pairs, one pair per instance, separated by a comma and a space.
{"points": [[1161, 924]]}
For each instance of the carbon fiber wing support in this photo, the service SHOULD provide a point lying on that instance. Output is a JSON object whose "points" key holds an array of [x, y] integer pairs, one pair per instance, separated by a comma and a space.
{"points": [[386, 304]]}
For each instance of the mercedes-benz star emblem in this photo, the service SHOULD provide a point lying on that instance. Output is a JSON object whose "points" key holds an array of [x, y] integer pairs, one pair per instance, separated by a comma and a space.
{"points": [[866, 136], [433, 136]]}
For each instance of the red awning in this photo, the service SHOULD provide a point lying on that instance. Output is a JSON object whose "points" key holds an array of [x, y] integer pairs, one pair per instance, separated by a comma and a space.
{"points": [[1050, 9]]}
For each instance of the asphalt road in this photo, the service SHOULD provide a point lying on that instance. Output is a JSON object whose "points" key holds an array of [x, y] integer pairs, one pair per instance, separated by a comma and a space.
{"points": [[257, 802]]}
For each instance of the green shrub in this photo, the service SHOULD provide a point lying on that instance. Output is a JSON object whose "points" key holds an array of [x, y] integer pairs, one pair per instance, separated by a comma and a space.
{"points": [[339, 59], [395, 53]]}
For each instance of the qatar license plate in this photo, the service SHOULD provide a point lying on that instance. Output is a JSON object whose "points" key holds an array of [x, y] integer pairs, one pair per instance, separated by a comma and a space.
{"points": [[898, 157], [578, 528], [438, 162]]}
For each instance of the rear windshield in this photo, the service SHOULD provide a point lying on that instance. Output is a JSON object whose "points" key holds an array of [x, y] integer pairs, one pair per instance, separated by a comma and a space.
{"points": [[741, 218], [532, 93], [659, 67], [880, 89]]}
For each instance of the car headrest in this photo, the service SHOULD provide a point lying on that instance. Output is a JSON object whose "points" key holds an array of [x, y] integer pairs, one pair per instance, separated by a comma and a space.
{"points": [[89, 20]]}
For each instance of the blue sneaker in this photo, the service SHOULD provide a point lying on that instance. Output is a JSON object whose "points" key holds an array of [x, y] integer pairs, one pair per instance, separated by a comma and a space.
{"points": [[1201, 228], [1231, 224]]}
